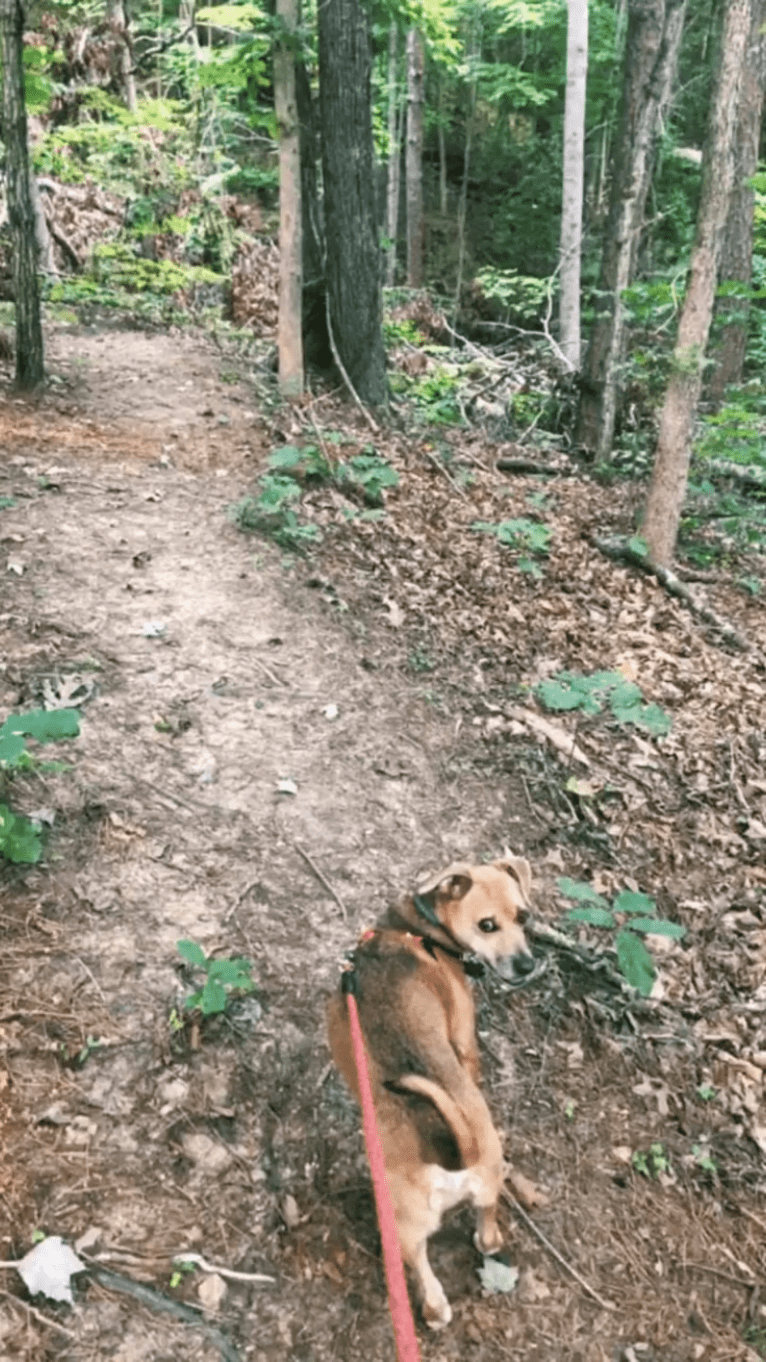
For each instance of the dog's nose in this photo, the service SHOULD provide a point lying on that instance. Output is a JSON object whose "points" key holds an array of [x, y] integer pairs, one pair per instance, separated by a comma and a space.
{"points": [[523, 964]]}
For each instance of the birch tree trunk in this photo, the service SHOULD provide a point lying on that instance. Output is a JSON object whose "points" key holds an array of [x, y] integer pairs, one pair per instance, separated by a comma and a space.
{"points": [[394, 157], [571, 212], [353, 264], [414, 164], [731, 310], [21, 216], [668, 484], [652, 45], [289, 327]]}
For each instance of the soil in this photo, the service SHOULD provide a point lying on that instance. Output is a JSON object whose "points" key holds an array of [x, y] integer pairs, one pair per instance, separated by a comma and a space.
{"points": [[272, 749]]}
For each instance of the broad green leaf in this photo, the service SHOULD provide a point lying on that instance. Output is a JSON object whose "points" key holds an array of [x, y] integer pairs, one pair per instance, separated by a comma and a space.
{"points": [[11, 747], [288, 456], [44, 725], [638, 546], [20, 840], [635, 961], [595, 917], [579, 889], [555, 696], [213, 998], [498, 1277], [631, 902], [192, 952], [654, 720], [230, 971], [660, 925]]}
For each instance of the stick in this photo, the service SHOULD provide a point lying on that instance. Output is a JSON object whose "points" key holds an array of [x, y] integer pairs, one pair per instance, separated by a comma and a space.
{"points": [[322, 879], [441, 469], [562, 1262], [621, 551], [221, 1271], [277, 680], [37, 1314], [357, 399]]}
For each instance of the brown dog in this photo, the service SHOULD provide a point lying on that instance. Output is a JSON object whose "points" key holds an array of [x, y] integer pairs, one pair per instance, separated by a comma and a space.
{"points": [[417, 1015]]}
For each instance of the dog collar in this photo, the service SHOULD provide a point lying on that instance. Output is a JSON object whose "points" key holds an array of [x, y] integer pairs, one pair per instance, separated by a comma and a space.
{"points": [[473, 968]]}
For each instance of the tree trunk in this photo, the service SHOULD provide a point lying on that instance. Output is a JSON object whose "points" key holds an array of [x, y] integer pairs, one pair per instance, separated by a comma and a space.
{"points": [[731, 309], [21, 216], [120, 24], [668, 484], [462, 203], [414, 166], [571, 213], [353, 265], [394, 159], [651, 59], [289, 331]]}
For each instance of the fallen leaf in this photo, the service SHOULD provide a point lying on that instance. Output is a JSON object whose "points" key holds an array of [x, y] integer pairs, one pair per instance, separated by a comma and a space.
{"points": [[498, 1277], [211, 1292], [48, 1268]]}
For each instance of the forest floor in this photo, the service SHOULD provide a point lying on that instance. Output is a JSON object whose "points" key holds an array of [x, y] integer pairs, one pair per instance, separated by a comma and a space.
{"points": [[388, 677]]}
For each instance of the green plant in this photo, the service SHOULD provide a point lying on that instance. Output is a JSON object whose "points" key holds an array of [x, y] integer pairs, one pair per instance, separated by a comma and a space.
{"points": [[181, 1268], [222, 978], [522, 535], [630, 916], [369, 473], [704, 1159], [270, 512], [589, 694], [706, 1092], [521, 296], [20, 837], [652, 1162]]}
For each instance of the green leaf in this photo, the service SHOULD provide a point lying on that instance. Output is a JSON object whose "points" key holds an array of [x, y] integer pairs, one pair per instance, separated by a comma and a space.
{"points": [[630, 902], [43, 725], [638, 546], [288, 456], [233, 972], [660, 925], [20, 840], [579, 889], [595, 917], [635, 961], [213, 998], [555, 696], [654, 720], [192, 952], [11, 747]]}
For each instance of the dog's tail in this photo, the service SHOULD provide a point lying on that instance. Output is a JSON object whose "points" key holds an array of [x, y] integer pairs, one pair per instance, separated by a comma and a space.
{"points": [[463, 1129]]}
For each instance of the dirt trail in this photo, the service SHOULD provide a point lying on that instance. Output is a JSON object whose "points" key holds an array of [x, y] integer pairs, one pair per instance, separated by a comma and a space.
{"points": [[211, 672]]}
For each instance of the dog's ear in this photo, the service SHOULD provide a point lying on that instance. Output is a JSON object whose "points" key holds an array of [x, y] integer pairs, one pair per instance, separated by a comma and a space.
{"points": [[452, 883], [521, 871]]}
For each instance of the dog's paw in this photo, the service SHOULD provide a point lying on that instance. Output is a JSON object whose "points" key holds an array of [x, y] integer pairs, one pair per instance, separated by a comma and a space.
{"points": [[488, 1239], [437, 1312]]}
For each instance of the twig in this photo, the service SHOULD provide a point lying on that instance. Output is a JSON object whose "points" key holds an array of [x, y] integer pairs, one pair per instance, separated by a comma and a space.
{"points": [[91, 976], [432, 459], [277, 680], [562, 1262], [222, 1271], [716, 1272], [36, 1314], [357, 399], [322, 879]]}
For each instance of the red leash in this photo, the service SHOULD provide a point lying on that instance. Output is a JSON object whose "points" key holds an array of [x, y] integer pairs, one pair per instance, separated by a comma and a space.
{"points": [[398, 1299]]}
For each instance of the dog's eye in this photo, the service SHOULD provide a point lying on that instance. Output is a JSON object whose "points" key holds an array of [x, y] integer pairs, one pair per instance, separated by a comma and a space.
{"points": [[488, 924]]}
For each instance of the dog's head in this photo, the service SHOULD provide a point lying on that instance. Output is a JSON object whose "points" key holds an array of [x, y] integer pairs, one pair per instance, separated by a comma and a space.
{"points": [[483, 908]]}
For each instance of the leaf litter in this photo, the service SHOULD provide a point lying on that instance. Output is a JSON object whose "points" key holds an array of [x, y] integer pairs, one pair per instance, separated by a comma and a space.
{"points": [[432, 643]]}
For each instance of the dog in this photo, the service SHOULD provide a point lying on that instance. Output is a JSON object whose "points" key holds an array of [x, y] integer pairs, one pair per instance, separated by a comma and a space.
{"points": [[418, 1021]]}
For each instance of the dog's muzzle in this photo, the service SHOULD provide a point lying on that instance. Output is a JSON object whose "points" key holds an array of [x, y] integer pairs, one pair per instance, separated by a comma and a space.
{"points": [[517, 970]]}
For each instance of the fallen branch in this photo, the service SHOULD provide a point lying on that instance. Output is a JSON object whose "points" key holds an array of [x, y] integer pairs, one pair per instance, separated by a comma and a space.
{"points": [[550, 470], [620, 551], [441, 469], [557, 1257]]}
